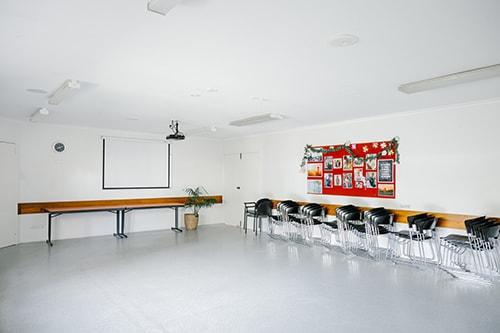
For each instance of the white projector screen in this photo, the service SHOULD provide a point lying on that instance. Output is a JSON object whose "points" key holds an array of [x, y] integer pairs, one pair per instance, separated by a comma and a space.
{"points": [[135, 164]]}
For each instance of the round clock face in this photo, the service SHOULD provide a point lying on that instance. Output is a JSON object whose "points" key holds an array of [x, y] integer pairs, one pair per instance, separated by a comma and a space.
{"points": [[59, 147]]}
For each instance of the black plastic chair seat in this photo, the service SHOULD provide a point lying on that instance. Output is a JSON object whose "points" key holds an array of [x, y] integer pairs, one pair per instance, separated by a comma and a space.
{"points": [[332, 224], [406, 234], [453, 238]]}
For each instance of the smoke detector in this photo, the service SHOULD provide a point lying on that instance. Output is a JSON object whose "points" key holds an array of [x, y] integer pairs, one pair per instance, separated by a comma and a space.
{"points": [[344, 40]]}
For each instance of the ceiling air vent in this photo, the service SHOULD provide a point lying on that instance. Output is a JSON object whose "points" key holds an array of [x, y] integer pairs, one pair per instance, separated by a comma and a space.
{"points": [[257, 119]]}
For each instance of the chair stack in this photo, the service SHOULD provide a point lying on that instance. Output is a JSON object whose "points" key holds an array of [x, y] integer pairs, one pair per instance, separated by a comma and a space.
{"points": [[301, 224], [419, 244], [279, 224], [478, 252]]}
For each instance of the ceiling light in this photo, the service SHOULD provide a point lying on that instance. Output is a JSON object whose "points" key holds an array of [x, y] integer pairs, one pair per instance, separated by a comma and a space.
{"points": [[256, 119], [65, 90], [39, 112], [162, 7], [344, 40], [37, 91], [475, 74]]}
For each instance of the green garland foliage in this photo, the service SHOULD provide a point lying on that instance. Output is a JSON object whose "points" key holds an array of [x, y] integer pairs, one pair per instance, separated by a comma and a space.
{"points": [[393, 146]]}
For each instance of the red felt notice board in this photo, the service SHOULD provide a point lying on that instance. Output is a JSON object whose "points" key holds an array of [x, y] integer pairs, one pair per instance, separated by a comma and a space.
{"points": [[337, 173]]}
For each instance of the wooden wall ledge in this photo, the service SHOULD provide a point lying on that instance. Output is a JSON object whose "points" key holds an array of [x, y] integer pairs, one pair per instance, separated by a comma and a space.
{"points": [[39, 207], [455, 221]]}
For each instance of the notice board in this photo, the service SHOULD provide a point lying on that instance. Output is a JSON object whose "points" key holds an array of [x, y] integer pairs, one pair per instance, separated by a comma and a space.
{"points": [[363, 170]]}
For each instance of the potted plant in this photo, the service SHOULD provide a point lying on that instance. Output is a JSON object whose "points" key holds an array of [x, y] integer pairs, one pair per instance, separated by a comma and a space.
{"points": [[196, 201]]}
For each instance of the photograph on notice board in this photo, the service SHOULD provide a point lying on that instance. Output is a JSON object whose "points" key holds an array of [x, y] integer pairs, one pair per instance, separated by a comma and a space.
{"points": [[337, 163], [328, 163], [328, 180], [314, 186], [347, 163], [315, 170], [371, 162], [316, 157], [371, 179], [359, 185], [385, 171], [347, 180], [358, 162], [386, 190], [358, 174], [337, 180]]}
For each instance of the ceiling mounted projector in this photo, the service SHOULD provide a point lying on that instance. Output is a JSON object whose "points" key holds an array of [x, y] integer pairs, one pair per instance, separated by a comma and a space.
{"points": [[256, 119], [475, 74], [65, 90], [176, 135]]}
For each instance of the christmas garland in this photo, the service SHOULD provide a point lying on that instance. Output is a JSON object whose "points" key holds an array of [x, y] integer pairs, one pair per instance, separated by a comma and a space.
{"points": [[390, 149]]}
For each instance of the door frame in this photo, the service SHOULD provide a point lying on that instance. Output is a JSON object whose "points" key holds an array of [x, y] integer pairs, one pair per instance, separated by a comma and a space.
{"points": [[8, 142]]}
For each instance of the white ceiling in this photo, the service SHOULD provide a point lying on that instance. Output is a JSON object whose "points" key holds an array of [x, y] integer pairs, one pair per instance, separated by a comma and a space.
{"points": [[147, 66]]}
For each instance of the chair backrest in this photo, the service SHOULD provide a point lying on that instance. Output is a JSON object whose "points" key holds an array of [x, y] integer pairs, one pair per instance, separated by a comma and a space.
{"points": [[287, 207], [264, 207], [347, 213], [411, 219], [428, 223], [470, 223]]}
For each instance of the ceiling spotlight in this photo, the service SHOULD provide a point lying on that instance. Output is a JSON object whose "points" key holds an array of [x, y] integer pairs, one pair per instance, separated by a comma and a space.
{"points": [[176, 134], [344, 40], [470, 75], [65, 90]]}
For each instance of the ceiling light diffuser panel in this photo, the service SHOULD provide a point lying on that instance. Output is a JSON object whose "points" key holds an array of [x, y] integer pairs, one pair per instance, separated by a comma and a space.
{"points": [[64, 91], [162, 7], [471, 75]]}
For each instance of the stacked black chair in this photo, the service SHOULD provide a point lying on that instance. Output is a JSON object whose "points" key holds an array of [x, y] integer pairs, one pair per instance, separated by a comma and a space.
{"points": [[258, 210], [377, 221], [302, 223], [419, 244], [278, 226], [349, 218]]}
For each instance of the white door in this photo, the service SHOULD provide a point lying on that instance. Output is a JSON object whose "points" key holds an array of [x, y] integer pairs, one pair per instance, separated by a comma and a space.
{"points": [[8, 194], [242, 183]]}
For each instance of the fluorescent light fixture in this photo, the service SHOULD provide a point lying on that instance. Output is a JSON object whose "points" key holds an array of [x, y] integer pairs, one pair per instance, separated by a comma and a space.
{"points": [[65, 90], [475, 74], [256, 119], [162, 7], [39, 112]]}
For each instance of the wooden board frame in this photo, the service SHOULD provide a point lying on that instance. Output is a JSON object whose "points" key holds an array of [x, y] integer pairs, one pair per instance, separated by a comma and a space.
{"points": [[39, 207]]}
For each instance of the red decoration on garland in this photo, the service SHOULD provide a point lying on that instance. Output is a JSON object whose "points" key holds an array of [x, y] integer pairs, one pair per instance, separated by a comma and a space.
{"points": [[366, 175]]}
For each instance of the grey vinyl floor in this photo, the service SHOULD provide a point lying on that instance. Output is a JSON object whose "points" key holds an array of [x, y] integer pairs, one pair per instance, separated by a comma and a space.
{"points": [[217, 279]]}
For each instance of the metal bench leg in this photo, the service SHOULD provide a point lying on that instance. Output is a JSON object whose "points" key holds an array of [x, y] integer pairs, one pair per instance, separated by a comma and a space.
{"points": [[122, 233], [49, 236]]}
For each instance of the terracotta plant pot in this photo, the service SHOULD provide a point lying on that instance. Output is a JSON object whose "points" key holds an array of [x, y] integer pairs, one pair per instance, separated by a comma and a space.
{"points": [[190, 221]]}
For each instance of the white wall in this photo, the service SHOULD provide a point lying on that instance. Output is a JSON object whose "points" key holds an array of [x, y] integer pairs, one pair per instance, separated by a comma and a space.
{"points": [[449, 158], [76, 175]]}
